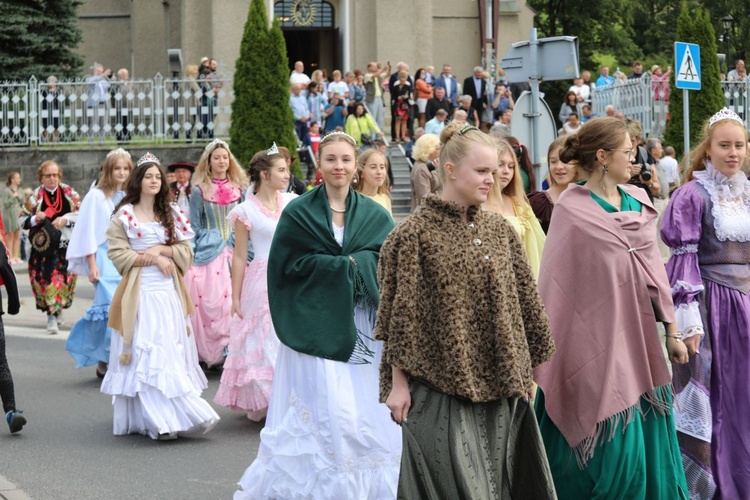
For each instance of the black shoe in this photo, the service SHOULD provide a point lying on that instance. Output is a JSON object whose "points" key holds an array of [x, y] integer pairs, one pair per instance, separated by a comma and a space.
{"points": [[15, 420]]}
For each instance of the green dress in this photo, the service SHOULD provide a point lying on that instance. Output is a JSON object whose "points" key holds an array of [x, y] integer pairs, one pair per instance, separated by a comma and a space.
{"points": [[629, 204], [526, 181], [642, 462], [11, 209]]}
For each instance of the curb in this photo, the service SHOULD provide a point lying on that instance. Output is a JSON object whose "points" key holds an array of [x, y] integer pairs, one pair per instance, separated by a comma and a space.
{"points": [[9, 491], [21, 268]]}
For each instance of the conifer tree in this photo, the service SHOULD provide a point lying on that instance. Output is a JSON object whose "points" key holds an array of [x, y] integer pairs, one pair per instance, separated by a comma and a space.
{"points": [[38, 37], [695, 28], [674, 133], [261, 113], [710, 98]]}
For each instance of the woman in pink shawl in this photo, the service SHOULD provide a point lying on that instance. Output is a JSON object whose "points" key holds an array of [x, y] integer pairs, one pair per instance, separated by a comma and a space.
{"points": [[707, 227], [604, 399]]}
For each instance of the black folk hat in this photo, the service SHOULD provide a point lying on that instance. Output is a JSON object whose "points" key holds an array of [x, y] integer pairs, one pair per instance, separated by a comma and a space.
{"points": [[180, 164]]}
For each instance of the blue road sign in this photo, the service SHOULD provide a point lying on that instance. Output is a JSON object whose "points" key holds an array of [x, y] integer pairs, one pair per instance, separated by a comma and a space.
{"points": [[688, 64]]}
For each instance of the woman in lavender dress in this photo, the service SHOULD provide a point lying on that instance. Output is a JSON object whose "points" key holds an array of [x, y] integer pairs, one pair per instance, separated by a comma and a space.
{"points": [[707, 227]]}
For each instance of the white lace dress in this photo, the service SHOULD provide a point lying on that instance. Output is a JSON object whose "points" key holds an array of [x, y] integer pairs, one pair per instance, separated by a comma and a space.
{"points": [[159, 392], [326, 434]]}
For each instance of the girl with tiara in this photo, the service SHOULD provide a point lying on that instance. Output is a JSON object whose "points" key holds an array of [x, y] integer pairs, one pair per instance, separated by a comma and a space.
{"points": [[218, 184], [707, 227], [326, 435], [253, 346], [88, 342], [153, 374]]}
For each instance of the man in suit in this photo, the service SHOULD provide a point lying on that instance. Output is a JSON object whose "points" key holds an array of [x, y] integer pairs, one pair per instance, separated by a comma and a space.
{"points": [[182, 187], [476, 87], [438, 102], [450, 84]]}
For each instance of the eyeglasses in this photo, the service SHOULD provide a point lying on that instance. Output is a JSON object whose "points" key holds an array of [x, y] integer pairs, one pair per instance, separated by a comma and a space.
{"points": [[629, 152], [47, 176]]}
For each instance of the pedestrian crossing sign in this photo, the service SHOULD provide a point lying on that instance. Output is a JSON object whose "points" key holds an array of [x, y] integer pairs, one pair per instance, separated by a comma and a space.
{"points": [[688, 64]]}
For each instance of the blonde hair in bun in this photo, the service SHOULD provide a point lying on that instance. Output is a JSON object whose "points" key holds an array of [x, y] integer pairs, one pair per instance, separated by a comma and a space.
{"points": [[456, 140]]}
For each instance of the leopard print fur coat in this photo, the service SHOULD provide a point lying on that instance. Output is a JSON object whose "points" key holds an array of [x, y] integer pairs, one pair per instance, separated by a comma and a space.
{"points": [[459, 307]]}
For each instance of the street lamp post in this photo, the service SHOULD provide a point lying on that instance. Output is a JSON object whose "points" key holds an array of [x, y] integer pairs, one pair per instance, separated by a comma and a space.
{"points": [[727, 21]]}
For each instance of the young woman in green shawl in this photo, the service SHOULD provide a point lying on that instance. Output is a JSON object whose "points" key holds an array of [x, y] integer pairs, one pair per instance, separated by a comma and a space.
{"points": [[326, 435]]}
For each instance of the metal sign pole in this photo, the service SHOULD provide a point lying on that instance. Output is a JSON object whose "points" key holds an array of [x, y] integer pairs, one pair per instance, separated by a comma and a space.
{"points": [[686, 125], [688, 77], [534, 60]]}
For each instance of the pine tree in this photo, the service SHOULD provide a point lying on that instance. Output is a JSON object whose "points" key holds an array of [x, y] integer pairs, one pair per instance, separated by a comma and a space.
{"points": [[261, 113], [695, 28], [37, 37]]}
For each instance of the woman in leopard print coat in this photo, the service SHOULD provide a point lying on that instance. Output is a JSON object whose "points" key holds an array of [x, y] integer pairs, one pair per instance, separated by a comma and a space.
{"points": [[463, 326]]}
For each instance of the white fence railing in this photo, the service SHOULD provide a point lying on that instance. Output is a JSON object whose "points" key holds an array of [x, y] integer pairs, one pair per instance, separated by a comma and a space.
{"points": [[89, 112], [646, 100]]}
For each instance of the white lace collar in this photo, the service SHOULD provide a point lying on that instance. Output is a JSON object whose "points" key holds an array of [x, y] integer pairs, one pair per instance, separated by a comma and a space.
{"points": [[730, 200]]}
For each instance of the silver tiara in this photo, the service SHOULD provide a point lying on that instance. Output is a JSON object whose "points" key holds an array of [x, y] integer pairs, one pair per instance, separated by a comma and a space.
{"points": [[118, 152], [216, 143], [273, 150], [336, 132], [725, 114], [148, 158]]}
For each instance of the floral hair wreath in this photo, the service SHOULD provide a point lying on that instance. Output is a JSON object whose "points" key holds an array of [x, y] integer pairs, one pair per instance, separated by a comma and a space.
{"points": [[725, 114], [148, 158]]}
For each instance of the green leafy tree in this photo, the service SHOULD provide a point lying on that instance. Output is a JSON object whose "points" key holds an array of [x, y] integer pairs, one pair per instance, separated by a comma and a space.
{"points": [[38, 38], [261, 113], [739, 35], [598, 32], [695, 27]]}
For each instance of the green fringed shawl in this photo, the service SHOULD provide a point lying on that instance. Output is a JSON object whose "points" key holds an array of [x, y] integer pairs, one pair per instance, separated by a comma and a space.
{"points": [[314, 284]]}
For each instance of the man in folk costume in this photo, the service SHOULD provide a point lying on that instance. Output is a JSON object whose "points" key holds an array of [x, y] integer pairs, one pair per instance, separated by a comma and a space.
{"points": [[51, 213], [182, 187]]}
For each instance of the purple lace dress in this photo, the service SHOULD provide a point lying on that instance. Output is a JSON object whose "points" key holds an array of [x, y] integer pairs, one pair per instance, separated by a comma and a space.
{"points": [[707, 227]]}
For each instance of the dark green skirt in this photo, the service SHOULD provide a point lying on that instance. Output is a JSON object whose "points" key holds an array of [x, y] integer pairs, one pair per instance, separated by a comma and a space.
{"points": [[644, 461], [456, 449]]}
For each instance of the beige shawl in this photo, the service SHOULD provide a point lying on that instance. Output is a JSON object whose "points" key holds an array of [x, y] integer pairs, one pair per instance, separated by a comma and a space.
{"points": [[124, 308]]}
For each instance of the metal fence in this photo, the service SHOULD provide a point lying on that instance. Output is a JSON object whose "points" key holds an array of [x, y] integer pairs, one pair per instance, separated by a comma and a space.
{"points": [[93, 111], [647, 101]]}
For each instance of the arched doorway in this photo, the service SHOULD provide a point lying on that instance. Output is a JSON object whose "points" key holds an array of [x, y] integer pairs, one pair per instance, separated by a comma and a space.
{"points": [[310, 33]]}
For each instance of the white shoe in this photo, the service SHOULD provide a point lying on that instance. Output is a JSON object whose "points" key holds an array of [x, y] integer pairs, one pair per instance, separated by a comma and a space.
{"points": [[52, 328]]}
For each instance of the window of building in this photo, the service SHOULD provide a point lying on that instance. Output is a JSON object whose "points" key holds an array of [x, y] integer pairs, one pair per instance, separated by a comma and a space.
{"points": [[304, 14]]}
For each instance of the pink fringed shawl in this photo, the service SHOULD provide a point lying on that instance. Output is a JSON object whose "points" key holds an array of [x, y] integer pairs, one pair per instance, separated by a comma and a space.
{"points": [[604, 287]]}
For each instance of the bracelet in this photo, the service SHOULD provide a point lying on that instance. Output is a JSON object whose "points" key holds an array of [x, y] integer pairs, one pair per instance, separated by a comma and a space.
{"points": [[676, 336]]}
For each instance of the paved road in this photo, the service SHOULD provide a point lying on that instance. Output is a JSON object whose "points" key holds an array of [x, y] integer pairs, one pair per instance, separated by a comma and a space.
{"points": [[67, 449]]}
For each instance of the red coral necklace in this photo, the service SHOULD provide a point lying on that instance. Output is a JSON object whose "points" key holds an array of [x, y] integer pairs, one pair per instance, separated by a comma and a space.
{"points": [[57, 205]]}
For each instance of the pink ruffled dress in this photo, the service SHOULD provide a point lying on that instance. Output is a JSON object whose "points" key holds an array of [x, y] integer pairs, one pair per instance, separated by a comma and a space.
{"points": [[253, 345], [209, 281]]}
